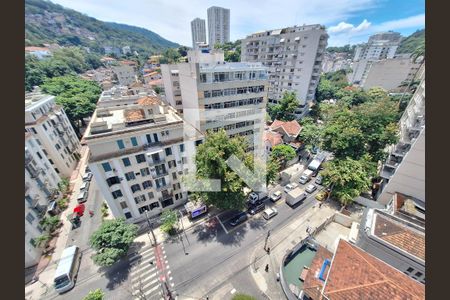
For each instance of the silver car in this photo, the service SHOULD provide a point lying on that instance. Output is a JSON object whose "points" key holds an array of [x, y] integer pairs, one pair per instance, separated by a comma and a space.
{"points": [[311, 188], [289, 187]]}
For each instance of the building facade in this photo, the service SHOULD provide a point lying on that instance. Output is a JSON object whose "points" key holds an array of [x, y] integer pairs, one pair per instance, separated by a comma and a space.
{"points": [[217, 94], [126, 75], [49, 125], [139, 152], [172, 90], [294, 58], [198, 31], [404, 170], [41, 184], [218, 25]]}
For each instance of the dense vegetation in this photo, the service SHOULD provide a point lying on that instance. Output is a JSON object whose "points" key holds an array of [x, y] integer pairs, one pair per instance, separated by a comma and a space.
{"points": [[285, 108], [232, 50], [46, 22], [415, 43], [356, 129], [349, 49]]}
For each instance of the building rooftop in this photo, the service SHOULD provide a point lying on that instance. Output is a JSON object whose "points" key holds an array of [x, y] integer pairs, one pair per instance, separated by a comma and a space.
{"points": [[355, 274], [286, 30], [291, 128], [274, 138], [35, 98], [148, 100], [228, 66]]}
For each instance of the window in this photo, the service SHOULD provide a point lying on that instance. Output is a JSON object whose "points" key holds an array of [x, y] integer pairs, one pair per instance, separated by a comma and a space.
{"points": [[45, 127], [117, 194], [184, 160], [30, 218], [418, 274], [107, 167], [174, 176], [160, 182], [130, 176], [151, 195], [33, 130], [57, 171], [145, 172], [128, 215], [135, 188], [112, 180], [39, 155], [149, 138], [143, 209], [165, 133], [58, 147], [126, 161], [134, 141], [181, 147], [168, 151], [120, 144], [28, 199], [140, 199], [154, 205], [140, 158], [410, 270], [123, 205], [147, 184], [155, 137]]}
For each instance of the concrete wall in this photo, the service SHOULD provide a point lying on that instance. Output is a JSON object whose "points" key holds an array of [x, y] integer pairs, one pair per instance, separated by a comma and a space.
{"points": [[343, 219], [388, 73]]}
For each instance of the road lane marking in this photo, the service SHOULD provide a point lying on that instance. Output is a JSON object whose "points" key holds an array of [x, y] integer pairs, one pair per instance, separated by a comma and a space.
{"points": [[233, 291], [218, 219]]}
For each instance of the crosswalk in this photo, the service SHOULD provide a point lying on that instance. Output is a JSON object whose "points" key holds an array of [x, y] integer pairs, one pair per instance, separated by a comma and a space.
{"points": [[144, 275]]}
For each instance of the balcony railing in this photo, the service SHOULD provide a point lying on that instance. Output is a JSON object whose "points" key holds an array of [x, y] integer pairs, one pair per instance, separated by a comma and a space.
{"points": [[154, 162]]}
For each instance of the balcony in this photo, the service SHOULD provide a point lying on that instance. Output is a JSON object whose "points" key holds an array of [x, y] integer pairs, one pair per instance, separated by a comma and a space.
{"points": [[154, 162], [393, 161], [158, 174], [387, 172], [401, 149], [166, 196], [161, 187]]}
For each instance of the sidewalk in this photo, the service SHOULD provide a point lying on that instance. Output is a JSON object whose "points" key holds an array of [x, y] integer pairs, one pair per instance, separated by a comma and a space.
{"points": [[279, 245], [45, 282]]}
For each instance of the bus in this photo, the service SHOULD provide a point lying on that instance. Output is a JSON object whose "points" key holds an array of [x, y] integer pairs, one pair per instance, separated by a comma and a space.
{"points": [[67, 270]]}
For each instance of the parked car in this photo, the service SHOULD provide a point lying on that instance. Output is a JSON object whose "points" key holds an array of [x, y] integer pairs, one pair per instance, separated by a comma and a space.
{"points": [[250, 204], [85, 185], [254, 209], [238, 218], [270, 213], [311, 188], [322, 195], [306, 176], [318, 179], [87, 176], [276, 196], [87, 170], [82, 196], [290, 186]]}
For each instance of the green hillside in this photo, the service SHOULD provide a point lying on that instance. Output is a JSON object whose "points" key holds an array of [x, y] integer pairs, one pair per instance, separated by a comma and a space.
{"points": [[46, 22], [412, 43]]}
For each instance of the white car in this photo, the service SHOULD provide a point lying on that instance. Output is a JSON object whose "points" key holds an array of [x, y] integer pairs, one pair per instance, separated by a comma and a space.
{"points": [[87, 176], [275, 196], [289, 187], [311, 188], [269, 213]]}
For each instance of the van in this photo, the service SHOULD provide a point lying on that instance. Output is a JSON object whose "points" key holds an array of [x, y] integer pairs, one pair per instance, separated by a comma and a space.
{"points": [[82, 196], [85, 186]]}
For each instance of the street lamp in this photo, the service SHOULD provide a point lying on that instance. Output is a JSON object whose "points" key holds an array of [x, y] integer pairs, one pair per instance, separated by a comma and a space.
{"points": [[151, 229]]}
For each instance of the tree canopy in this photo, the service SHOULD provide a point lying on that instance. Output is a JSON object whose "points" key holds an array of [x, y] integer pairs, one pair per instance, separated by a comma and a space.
{"points": [[285, 108], [97, 294], [169, 220], [232, 50], [112, 240], [283, 153]]}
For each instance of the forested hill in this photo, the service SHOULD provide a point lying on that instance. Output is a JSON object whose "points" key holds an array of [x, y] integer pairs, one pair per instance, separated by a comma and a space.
{"points": [[412, 43], [46, 22]]}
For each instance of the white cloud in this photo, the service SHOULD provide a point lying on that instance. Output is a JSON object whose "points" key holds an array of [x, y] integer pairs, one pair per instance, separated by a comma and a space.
{"points": [[410, 22], [346, 27]]}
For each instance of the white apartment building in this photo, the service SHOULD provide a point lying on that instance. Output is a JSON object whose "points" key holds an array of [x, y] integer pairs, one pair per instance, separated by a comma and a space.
{"points": [[380, 46], [172, 91], [49, 125], [218, 25], [198, 30], [123, 95], [294, 57], [389, 73], [126, 75], [41, 183], [139, 152], [404, 169], [218, 94]]}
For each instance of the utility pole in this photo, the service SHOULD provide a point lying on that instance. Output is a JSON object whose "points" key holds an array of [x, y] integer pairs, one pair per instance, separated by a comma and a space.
{"points": [[267, 239], [151, 229], [182, 226]]}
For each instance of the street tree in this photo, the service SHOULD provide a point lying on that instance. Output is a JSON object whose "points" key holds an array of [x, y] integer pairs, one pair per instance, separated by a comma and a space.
{"points": [[285, 108], [310, 134], [169, 220], [282, 154], [211, 163], [112, 240], [348, 178], [97, 294], [377, 93], [325, 90]]}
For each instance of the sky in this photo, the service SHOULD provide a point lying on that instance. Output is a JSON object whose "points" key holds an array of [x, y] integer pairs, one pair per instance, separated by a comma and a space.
{"points": [[347, 21]]}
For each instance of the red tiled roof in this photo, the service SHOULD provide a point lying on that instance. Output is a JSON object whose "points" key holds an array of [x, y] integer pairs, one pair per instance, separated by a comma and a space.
{"points": [[134, 115], [292, 127], [105, 58], [148, 100], [313, 285], [128, 62], [155, 82], [355, 274], [274, 138], [400, 236], [33, 48]]}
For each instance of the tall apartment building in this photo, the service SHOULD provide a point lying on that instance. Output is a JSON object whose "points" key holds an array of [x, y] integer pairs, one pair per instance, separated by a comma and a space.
{"points": [[294, 57], [218, 94], [380, 46], [139, 152], [218, 25], [404, 170], [49, 125], [198, 30], [172, 91], [41, 183]]}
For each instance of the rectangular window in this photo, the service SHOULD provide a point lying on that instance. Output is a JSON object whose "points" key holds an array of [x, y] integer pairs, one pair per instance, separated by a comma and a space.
{"points": [[123, 205], [140, 158], [120, 144], [150, 195], [174, 176], [130, 176], [135, 188], [155, 137], [126, 161], [168, 151], [145, 172], [146, 184], [134, 141], [128, 215], [181, 147], [143, 209], [154, 205], [45, 127], [39, 155], [140, 199], [117, 194], [149, 138], [113, 180], [34, 131], [30, 218], [107, 167], [58, 147]]}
